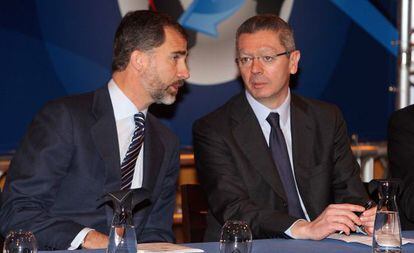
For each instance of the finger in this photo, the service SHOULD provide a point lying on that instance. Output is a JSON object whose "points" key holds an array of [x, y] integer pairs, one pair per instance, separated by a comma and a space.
{"points": [[368, 224], [367, 219], [344, 220], [369, 230], [341, 227], [333, 213], [370, 212], [349, 207]]}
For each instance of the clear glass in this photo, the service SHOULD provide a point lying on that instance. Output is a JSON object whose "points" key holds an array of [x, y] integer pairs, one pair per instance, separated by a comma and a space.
{"points": [[387, 228], [235, 237], [122, 237], [20, 242]]}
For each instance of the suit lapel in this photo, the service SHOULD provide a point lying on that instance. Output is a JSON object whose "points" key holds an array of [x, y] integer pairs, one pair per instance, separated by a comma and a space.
{"points": [[248, 134], [302, 147], [153, 154], [105, 137]]}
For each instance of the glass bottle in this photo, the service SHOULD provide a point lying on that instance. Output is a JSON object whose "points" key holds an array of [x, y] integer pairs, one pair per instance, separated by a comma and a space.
{"points": [[387, 227], [122, 237]]}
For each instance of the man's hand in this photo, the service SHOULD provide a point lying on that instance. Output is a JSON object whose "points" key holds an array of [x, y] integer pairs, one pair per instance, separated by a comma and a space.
{"points": [[95, 240], [368, 219], [336, 217]]}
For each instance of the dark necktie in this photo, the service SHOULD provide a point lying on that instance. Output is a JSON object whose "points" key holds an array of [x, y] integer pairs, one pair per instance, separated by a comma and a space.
{"points": [[130, 159], [281, 158]]}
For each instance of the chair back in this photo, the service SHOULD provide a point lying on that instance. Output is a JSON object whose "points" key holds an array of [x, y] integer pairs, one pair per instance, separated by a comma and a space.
{"points": [[195, 208]]}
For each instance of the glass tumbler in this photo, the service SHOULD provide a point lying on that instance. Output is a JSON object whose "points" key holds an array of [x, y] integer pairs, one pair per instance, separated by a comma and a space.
{"points": [[235, 237], [20, 242]]}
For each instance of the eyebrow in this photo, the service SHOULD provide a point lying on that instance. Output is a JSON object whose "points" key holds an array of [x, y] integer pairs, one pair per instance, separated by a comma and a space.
{"points": [[183, 52]]}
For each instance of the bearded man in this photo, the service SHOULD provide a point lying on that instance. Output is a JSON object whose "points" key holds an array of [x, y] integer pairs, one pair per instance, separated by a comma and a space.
{"points": [[80, 147]]}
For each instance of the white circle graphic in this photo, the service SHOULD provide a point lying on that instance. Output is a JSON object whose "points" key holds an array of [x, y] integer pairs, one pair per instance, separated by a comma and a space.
{"points": [[211, 60]]}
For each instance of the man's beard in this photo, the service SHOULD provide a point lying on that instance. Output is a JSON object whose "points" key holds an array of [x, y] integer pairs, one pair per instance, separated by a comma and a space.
{"points": [[164, 96], [160, 92]]}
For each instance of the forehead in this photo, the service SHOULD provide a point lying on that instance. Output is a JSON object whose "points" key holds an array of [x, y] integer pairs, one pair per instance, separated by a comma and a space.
{"points": [[260, 40], [173, 40]]}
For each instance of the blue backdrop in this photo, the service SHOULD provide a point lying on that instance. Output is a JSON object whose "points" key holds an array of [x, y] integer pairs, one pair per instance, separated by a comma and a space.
{"points": [[54, 48]]}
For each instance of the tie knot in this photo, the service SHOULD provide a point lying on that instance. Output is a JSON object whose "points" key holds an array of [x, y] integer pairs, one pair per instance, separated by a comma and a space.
{"points": [[273, 119], [139, 119]]}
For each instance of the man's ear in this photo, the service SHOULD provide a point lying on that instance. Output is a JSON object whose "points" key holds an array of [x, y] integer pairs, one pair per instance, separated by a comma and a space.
{"points": [[138, 60], [294, 61]]}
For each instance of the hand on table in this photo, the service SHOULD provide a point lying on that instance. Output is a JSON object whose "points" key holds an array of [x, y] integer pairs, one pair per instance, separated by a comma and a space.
{"points": [[95, 240], [336, 217], [368, 219]]}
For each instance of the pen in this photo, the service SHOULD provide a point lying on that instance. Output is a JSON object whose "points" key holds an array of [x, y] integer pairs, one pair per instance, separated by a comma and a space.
{"points": [[360, 228]]}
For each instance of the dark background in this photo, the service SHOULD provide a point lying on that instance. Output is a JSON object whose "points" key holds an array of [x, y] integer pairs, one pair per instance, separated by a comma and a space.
{"points": [[51, 48]]}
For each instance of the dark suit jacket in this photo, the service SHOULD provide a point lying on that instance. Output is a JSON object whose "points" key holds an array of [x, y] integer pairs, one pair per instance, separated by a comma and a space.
{"points": [[401, 157], [241, 180], [69, 158]]}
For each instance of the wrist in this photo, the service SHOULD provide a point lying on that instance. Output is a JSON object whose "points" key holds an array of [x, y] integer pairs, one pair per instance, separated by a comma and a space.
{"points": [[300, 229]]}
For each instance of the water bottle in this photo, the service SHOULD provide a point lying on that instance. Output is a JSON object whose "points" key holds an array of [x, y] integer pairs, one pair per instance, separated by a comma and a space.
{"points": [[122, 237], [387, 227]]}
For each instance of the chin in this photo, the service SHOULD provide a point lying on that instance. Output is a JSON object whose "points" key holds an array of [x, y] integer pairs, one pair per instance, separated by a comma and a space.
{"points": [[168, 100], [260, 94]]}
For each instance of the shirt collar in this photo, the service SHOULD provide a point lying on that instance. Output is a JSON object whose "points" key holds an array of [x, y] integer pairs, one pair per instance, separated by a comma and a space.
{"points": [[123, 106], [261, 111]]}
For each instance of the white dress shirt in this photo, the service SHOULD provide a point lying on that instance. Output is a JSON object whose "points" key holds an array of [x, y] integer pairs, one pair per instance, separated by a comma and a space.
{"points": [[261, 112], [124, 111]]}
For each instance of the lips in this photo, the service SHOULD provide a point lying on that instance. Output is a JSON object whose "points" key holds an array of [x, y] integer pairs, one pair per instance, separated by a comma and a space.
{"points": [[177, 85], [258, 85], [257, 81]]}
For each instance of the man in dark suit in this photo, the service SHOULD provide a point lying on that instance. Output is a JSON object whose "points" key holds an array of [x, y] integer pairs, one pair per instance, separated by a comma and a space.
{"points": [[401, 157], [80, 147], [279, 161]]}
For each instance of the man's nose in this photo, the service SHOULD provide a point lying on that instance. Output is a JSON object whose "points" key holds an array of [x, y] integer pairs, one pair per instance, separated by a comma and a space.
{"points": [[256, 66], [183, 72]]}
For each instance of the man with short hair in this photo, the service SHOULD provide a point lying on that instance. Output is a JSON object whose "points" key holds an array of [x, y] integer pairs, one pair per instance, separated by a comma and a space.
{"points": [[277, 160], [80, 147]]}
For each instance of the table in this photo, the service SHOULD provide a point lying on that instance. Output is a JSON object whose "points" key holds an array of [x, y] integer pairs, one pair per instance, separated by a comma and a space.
{"points": [[287, 246]]}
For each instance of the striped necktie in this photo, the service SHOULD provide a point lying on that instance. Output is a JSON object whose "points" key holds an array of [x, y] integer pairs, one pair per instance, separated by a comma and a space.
{"points": [[130, 159]]}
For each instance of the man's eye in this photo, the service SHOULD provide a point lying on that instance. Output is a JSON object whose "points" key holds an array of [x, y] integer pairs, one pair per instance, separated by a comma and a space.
{"points": [[267, 58], [245, 60]]}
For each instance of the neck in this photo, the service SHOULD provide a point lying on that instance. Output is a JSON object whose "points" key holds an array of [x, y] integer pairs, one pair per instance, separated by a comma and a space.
{"points": [[129, 84], [276, 101]]}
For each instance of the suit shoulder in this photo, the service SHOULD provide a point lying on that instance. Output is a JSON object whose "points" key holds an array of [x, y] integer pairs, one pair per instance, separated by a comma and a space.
{"points": [[220, 115], [402, 117], [317, 107], [79, 101]]}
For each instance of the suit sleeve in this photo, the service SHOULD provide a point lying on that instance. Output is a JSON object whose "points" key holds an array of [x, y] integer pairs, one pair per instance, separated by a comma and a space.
{"points": [[347, 184], [159, 225], [33, 179], [226, 192], [401, 157]]}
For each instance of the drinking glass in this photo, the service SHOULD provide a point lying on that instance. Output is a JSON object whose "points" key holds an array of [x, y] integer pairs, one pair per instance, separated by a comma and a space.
{"points": [[20, 242], [235, 237]]}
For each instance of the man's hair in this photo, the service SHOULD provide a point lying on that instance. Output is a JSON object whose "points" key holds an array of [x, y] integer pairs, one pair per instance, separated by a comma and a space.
{"points": [[140, 30], [268, 22]]}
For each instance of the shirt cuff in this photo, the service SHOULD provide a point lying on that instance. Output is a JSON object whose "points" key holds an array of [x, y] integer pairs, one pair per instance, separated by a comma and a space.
{"points": [[80, 237], [288, 231]]}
